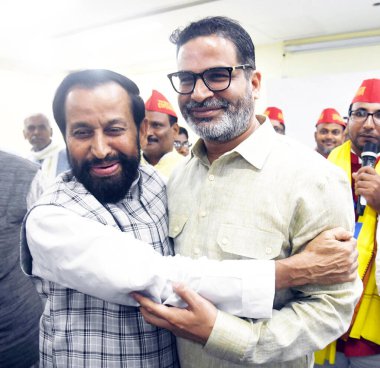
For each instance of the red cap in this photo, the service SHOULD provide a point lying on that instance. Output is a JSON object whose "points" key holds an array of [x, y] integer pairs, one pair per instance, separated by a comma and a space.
{"points": [[369, 91], [331, 116], [274, 113], [158, 102]]}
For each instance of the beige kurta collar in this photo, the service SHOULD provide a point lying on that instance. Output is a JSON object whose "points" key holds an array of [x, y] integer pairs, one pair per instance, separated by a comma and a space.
{"points": [[255, 149]]}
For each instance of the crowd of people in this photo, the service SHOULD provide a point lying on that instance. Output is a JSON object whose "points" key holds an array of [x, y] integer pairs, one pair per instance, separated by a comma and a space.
{"points": [[126, 249]]}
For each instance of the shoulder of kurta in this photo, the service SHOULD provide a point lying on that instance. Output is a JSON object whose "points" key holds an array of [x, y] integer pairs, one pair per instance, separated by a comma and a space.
{"points": [[308, 165]]}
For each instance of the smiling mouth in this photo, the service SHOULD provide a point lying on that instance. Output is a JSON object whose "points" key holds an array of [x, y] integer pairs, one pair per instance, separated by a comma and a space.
{"points": [[36, 139], [104, 170], [368, 137], [205, 112], [152, 140]]}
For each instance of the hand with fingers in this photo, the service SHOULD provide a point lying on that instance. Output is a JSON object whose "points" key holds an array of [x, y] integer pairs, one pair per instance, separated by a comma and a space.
{"points": [[193, 323], [367, 184], [329, 258]]}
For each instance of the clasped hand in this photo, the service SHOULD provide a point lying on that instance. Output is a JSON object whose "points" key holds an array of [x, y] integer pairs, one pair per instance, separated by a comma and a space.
{"points": [[194, 322]]}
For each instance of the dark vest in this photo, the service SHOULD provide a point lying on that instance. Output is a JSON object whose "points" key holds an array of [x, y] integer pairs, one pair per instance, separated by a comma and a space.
{"points": [[20, 305]]}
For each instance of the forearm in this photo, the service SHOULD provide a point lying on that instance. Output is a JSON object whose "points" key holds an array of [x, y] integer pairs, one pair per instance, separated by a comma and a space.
{"points": [[103, 262], [87, 256], [291, 272], [325, 260], [242, 287], [297, 328]]}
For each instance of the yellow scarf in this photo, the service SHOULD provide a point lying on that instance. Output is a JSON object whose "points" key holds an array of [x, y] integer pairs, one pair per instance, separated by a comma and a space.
{"points": [[367, 320]]}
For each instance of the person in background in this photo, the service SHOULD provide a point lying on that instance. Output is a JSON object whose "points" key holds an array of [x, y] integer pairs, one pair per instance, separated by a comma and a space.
{"points": [[20, 306], [225, 202], [158, 132], [360, 345], [49, 155], [329, 131], [100, 232], [276, 118], [181, 143]]}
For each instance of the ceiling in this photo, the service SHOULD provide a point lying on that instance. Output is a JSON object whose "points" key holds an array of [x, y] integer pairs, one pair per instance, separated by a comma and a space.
{"points": [[50, 36]]}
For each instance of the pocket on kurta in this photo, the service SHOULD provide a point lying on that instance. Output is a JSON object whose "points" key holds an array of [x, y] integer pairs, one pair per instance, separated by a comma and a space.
{"points": [[249, 242], [176, 224]]}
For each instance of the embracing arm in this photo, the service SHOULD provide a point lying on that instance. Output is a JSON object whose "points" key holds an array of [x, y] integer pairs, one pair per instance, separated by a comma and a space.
{"points": [[329, 258], [286, 333], [101, 261], [308, 317]]}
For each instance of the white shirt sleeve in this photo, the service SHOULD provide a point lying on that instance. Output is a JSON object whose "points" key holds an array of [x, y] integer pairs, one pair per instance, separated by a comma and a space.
{"points": [[377, 262], [101, 261]]}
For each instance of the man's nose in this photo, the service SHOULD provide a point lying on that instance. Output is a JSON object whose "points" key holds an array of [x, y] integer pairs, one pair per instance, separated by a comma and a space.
{"points": [[201, 92], [150, 130], [100, 147], [369, 123], [35, 130]]}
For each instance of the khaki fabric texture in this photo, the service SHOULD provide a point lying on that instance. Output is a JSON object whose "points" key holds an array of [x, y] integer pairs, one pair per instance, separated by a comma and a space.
{"points": [[264, 200]]}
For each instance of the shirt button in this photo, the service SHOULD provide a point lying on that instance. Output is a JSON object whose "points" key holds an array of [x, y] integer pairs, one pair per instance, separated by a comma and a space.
{"points": [[224, 241], [196, 251], [211, 177], [268, 250], [176, 229], [203, 213]]}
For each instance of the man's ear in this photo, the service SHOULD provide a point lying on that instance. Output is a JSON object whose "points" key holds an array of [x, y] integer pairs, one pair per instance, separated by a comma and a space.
{"points": [[144, 127], [175, 128], [143, 131], [256, 84]]}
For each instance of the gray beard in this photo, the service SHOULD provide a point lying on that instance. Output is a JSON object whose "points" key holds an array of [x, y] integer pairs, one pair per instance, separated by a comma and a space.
{"points": [[325, 151], [234, 122]]}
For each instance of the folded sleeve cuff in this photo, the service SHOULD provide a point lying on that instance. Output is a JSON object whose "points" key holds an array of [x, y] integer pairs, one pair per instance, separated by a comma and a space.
{"points": [[258, 300], [229, 337]]}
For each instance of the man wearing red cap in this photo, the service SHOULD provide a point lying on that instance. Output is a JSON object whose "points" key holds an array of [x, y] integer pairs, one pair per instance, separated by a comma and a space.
{"points": [[276, 118], [158, 131], [329, 131], [360, 346]]}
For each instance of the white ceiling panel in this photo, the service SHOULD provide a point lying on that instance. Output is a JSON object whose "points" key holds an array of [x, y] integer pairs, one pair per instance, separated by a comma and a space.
{"points": [[50, 35]]}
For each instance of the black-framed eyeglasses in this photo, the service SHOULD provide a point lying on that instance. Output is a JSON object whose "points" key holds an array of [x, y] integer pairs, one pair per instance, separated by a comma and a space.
{"points": [[216, 79], [178, 144], [361, 115]]}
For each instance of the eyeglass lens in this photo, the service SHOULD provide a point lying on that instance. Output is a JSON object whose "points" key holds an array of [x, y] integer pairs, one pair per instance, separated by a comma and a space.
{"points": [[216, 79], [362, 115], [179, 144]]}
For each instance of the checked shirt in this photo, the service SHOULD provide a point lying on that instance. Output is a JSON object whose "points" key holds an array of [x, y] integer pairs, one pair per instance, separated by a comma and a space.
{"points": [[78, 330]]}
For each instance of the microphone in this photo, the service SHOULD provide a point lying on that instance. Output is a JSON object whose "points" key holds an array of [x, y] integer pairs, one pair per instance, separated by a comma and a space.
{"points": [[369, 155]]}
